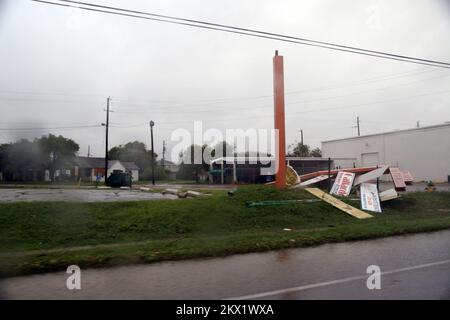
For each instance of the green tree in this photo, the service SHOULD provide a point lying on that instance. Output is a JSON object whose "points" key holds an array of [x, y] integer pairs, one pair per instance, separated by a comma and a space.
{"points": [[298, 150], [160, 173], [222, 149], [316, 153], [57, 152], [20, 161], [135, 152], [188, 168], [4, 161]]}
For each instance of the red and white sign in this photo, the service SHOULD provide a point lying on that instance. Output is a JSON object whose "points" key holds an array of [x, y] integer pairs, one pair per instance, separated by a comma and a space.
{"points": [[397, 176], [343, 183], [369, 197], [407, 177]]}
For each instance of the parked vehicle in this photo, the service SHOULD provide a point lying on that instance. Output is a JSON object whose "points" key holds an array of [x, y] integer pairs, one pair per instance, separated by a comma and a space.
{"points": [[119, 179]]}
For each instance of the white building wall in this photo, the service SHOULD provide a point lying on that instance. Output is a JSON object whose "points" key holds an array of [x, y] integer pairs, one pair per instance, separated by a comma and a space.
{"points": [[135, 175], [117, 165], [423, 151]]}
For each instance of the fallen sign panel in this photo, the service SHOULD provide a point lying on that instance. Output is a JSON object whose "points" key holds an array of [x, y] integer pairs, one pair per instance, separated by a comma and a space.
{"points": [[292, 177], [397, 176], [335, 171], [339, 204], [389, 194], [310, 181], [407, 177], [343, 183], [372, 175], [369, 197]]}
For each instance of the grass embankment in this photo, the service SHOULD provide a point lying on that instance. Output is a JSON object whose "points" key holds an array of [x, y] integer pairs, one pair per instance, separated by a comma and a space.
{"points": [[44, 236]]}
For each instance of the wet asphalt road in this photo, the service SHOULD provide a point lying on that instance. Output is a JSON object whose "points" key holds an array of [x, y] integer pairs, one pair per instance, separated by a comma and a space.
{"points": [[417, 266], [78, 195]]}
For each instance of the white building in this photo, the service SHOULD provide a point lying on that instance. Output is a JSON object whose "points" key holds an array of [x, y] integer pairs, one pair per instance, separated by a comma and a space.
{"points": [[424, 151], [124, 166]]}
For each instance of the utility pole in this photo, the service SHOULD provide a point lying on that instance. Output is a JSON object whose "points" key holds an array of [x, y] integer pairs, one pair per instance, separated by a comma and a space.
{"points": [[300, 147], [164, 153], [234, 161], [106, 139], [153, 153], [89, 151], [357, 125]]}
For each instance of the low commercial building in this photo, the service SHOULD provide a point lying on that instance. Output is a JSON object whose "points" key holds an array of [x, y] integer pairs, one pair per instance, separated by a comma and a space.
{"points": [[248, 169], [424, 151]]}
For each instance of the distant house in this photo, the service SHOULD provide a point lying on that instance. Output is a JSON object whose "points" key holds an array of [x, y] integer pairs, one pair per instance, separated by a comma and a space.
{"points": [[132, 168], [88, 168]]}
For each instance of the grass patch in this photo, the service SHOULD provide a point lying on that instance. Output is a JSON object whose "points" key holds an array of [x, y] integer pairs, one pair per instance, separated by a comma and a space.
{"points": [[44, 236]]}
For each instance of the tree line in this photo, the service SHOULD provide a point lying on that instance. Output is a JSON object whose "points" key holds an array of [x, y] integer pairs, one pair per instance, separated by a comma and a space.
{"points": [[26, 160]]}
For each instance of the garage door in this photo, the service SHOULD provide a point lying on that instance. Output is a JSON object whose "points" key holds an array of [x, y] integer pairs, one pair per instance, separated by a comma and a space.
{"points": [[369, 159]]}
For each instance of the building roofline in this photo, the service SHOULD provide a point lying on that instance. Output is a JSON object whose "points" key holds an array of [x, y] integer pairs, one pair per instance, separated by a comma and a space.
{"points": [[307, 158], [98, 162], [446, 124], [255, 158]]}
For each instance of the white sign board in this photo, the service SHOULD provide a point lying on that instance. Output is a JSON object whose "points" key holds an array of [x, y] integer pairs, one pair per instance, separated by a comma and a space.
{"points": [[343, 183], [372, 175], [388, 195], [313, 180], [369, 197]]}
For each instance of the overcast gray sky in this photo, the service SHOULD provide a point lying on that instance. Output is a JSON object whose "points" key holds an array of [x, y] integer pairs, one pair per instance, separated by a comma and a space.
{"points": [[58, 65]]}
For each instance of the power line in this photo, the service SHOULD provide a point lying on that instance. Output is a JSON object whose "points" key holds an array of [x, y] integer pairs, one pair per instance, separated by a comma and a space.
{"points": [[49, 93], [51, 128], [243, 31], [313, 110], [226, 108], [47, 100], [210, 102], [373, 102], [120, 125]]}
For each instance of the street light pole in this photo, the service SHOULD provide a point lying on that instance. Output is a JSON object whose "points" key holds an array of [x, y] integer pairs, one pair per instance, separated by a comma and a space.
{"points": [[106, 139], [153, 153]]}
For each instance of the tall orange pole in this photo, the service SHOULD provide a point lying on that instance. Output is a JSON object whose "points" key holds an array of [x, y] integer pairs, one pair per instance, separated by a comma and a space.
{"points": [[280, 143]]}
